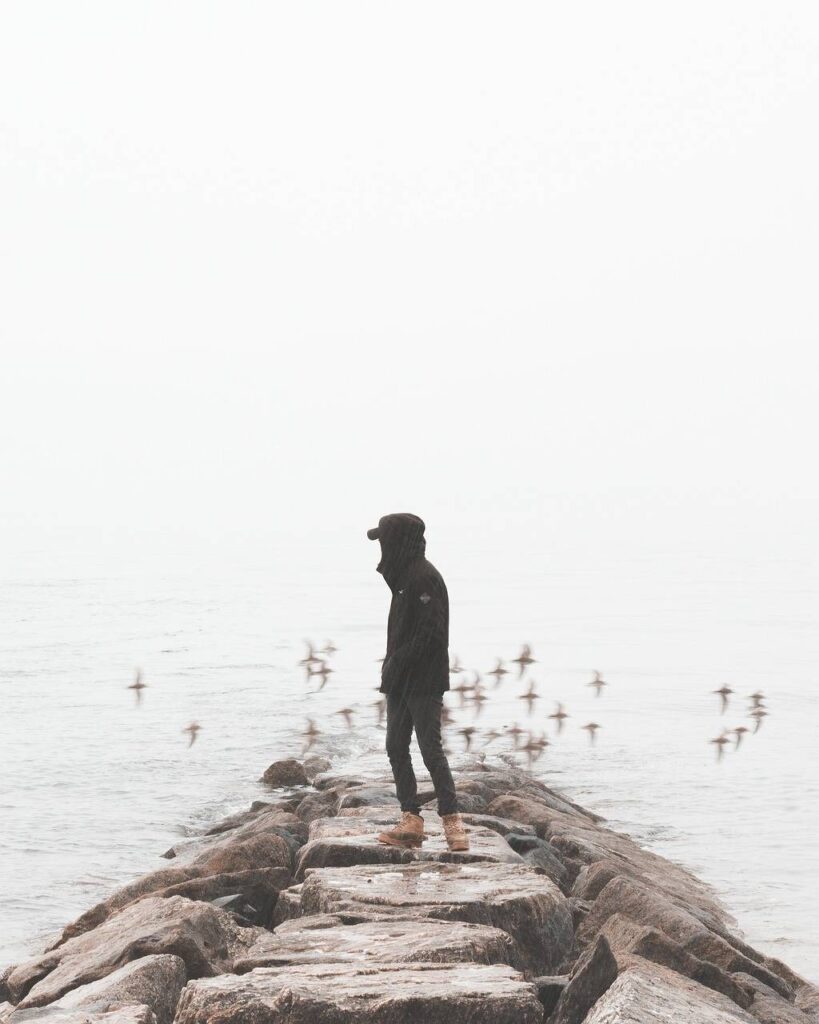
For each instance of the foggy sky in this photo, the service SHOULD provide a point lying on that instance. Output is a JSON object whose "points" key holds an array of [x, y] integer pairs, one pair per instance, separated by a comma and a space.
{"points": [[273, 270]]}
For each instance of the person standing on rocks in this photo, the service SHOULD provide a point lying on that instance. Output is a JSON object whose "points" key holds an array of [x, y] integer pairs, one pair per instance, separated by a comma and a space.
{"points": [[414, 677]]}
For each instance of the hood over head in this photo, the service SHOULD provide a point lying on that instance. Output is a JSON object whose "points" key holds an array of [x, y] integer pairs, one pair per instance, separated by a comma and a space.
{"points": [[401, 536]]}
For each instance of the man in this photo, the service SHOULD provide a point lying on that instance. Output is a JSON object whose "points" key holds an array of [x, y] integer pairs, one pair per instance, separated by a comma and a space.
{"points": [[414, 676]]}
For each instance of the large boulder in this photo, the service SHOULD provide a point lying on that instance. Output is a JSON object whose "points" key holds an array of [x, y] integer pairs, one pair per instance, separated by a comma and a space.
{"points": [[345, 841], [648, 994], [205, 938], [324, 938], [288, 772], [387, 994], [153, 981], [221, 869], [322, 804], [521, 902], [648, 907]]}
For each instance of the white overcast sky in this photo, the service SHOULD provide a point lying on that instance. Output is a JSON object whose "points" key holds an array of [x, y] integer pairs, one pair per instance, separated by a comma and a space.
{"points": [[278, 268]]}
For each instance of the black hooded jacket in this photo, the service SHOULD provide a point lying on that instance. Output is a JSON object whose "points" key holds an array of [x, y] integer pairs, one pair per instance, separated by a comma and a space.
{"points": [[417, 657]]}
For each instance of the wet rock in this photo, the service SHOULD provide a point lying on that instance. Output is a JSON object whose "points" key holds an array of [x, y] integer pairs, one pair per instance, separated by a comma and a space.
{"points": [[346, 841], [315, 765], [153, 981], [332, 993], [767, 1006], [233, 821], [265, 850], [288, 905], [544, 859], [206, 939], [648, 907], [288, 772], [648, 994], [593, 973], [807, 1000], [521, 902], [323, 938], [368, 796], [628, 938], [329, 780], [549, 990], [503, 826], [323, 804], [256, 891], [276, 822]]}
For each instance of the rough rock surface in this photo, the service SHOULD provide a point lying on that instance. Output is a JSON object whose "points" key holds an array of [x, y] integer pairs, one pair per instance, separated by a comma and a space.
{"points": [[647, 994], [152, 981], [323, 938], [344, 994], [526, 905], [344, 841], [288, 772], [205, 938], [649, 907]]}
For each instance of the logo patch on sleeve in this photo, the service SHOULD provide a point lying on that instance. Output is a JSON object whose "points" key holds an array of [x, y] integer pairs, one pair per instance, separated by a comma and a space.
{"points": [[425, 598]]}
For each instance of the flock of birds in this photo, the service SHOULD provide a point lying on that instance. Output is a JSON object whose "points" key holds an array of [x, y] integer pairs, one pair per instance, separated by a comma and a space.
{"points": [[471, 691], [757, 710], [472, 695]]}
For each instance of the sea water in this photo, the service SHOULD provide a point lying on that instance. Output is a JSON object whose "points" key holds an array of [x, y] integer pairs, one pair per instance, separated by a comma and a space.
{"points": [[94, 786]]}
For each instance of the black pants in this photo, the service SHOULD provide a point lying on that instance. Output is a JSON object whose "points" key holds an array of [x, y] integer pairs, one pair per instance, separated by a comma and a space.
{"points": [[421, 712]]}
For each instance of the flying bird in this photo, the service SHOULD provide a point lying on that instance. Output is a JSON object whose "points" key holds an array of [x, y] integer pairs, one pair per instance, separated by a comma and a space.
{"points": [[329, 647], [347, 715], [138, 686], [524, 659], [380, 707], [720, 742], [310, 734], [456, 666], [468, 732], [559, 715], [758, 714], [739, 732], [598, 683], [530, 697], [756, 699], [515, 732], [724, 692], [591, 728], [193, 732], [498, 672]]}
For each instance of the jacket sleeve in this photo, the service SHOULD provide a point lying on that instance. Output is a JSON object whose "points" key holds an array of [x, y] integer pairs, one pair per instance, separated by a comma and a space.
{"points": [[426, 630]]}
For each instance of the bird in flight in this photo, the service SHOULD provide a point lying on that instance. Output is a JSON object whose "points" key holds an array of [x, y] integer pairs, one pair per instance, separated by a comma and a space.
{"points": [[724, 692], [524, 660], [758, 714], [347, 715], [560, 716], [138, 686], [739, 732], [498, 672], [468, 732], [329, 647], [720, 742], [530, 697], [756, 699], [456, 665], [310, 734], [515, 732], [598, 683], [591, 728], [193, 732]]}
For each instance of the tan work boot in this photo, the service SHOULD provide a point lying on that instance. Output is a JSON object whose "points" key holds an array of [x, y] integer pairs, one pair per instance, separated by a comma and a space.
{"points": [[455, 833], [409, 832]]}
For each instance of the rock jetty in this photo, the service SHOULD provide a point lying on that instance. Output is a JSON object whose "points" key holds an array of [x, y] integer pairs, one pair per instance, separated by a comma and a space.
{"points": [[292, 913]]}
